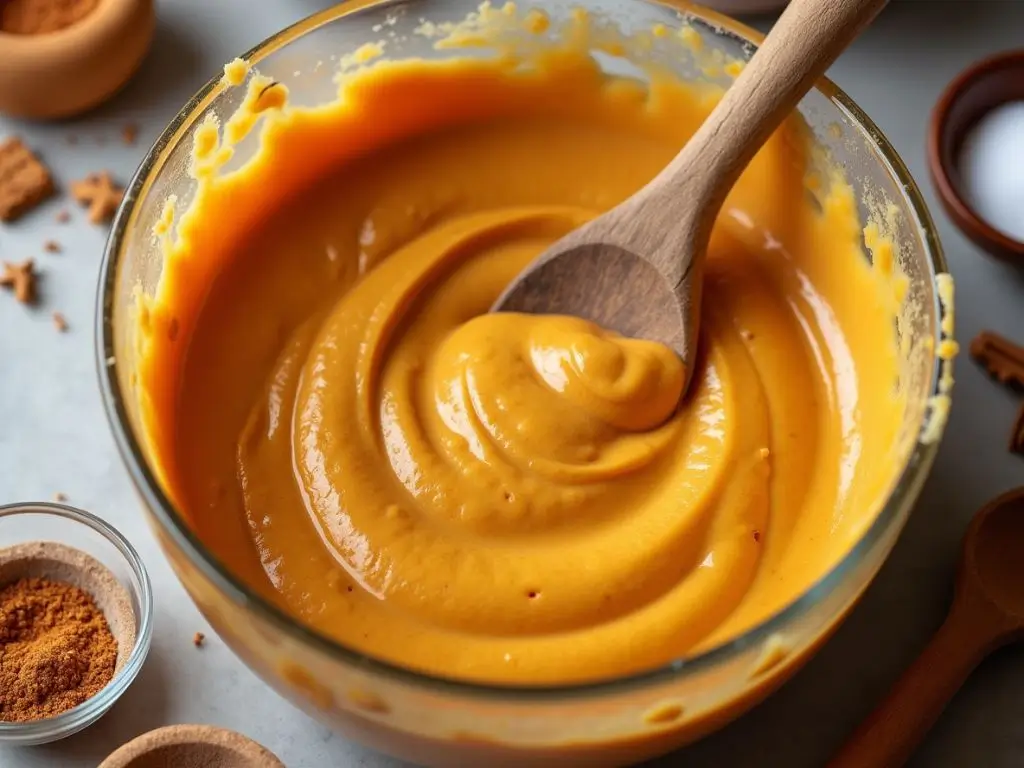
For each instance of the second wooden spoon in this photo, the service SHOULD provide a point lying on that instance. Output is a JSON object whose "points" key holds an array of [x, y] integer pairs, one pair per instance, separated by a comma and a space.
{"points": [[987, 612]]}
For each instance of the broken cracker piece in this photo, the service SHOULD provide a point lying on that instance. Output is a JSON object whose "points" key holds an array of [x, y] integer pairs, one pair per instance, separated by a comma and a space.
{"points": [[24, 181], [52, 246], [59, 322], [100, 194], [198, 639], [21, 278], [129, 132]]}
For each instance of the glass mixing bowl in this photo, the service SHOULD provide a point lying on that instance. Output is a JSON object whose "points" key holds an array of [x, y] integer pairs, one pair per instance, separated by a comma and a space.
{"points": [[438, 721]]}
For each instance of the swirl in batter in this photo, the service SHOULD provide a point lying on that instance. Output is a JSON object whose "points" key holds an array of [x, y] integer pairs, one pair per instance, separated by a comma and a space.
{"points": [[506, 497]]}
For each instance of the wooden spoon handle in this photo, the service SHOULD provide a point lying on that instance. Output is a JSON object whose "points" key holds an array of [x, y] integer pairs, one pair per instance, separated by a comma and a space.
{"points": [[805, 40], [890, 734]]}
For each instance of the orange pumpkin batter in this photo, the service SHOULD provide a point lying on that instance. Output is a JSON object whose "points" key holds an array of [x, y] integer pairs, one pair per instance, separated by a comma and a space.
{"points": [[506, 497]]}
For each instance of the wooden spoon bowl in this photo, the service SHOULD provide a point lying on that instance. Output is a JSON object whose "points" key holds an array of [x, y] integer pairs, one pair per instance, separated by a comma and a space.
{"points": [[987, 613], [638, 269]]}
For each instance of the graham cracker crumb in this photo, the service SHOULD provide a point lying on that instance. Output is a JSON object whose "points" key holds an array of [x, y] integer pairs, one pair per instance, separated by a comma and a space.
{"points": [[63, 216], [52, 246], [39, 17], [24, 181], [60, 497], [21, 278], [129, 133], [198, 639], [59, 322], [100, 194]]}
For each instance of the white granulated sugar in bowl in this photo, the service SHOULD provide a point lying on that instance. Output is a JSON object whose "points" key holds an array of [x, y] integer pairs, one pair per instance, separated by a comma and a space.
{"points": [[991, 165]]}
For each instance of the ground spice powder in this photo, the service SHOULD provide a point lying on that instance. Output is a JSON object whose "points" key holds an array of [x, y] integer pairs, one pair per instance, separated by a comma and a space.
{"points": [[56, 649]]}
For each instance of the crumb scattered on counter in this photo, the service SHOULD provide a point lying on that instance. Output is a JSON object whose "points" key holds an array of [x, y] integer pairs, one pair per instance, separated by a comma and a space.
{"points": [[59, 322], [56, 649], [98, 192], [198, 639], [129, 133], [21, 278], [60, 497], [24, 181], [63, 216], [52, 246]]}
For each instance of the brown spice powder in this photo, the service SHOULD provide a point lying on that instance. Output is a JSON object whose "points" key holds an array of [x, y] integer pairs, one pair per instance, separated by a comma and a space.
{"points": [[56, 649]]}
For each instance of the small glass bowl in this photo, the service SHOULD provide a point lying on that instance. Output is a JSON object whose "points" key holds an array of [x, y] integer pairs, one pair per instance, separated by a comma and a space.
{"points": [[42, 522]]}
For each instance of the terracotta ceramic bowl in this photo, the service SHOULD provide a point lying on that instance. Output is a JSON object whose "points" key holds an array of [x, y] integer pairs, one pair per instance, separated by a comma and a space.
{"points": [[970, 96], [60, 73]]}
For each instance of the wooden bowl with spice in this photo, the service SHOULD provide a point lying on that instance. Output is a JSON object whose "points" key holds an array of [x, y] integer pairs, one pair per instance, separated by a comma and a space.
{"points": [[61, 57], [75, 620]]}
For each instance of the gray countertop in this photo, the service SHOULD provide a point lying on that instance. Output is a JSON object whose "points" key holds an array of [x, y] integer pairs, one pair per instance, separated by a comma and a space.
{"points": [[54, 436]]}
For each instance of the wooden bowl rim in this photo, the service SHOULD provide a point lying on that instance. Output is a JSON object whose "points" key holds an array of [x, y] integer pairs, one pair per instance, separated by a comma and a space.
{"points": [[964, 215], [200, 737]]}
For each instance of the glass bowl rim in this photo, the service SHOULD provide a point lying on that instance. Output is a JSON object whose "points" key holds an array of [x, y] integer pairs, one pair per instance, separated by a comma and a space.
{"points": [[72, 721], [904, 491]]}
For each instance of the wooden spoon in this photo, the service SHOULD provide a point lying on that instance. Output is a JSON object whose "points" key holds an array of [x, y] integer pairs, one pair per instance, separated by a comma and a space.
{"points": [[638, 268], [987, 612]]}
